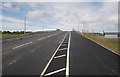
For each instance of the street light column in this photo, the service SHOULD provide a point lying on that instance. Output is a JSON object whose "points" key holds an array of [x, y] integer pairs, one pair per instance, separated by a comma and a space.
{"points": [[24, 25]]}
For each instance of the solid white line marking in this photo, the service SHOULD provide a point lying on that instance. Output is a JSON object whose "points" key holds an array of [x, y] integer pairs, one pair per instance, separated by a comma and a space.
{"points": [[62, 49], [52, 57], [22, 45], [67, 64], [51, 73], [59, 56]]}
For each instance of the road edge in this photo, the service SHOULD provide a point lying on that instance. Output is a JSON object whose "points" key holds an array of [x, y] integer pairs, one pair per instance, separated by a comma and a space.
{"points": [[101, 45]]}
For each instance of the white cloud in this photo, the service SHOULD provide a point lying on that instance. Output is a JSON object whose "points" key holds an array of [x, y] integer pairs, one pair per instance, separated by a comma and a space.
{"points": [[11, 23], [35, 14], [0, 17], [60, 0], [18, 27], [91, 16], [12, 19], [98, 17], [68, 15], [9, 6], [113, 19]]}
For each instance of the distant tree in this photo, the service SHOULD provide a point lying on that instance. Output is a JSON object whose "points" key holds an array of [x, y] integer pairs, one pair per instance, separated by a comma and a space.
{"points": [[13, 32], [29, 32], [6, 32], [17, 32], [21, 32], [3, 32]]}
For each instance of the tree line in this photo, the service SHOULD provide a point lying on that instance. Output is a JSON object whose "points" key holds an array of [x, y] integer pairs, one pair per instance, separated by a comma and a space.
{"points": [[15, 32]]}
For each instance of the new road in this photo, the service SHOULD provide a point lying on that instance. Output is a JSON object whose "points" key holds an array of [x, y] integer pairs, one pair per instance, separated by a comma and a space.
{"points": [[57, 53]]}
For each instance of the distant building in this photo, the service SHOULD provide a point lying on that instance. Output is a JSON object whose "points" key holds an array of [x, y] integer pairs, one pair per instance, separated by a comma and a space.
{"points": [[111, 34], [57, 29]]}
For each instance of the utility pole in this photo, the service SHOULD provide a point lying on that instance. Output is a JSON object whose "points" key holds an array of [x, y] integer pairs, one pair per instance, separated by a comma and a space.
{"points": [[92, 32], [78, 27], [82, 30], [44, 22], [87, 31], [103, 35], [24, 25], [103, 32], [43, 27]]}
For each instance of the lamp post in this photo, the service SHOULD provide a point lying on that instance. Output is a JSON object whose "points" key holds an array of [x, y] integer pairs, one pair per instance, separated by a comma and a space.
{"points": [[24, 25], [44, 23], [78, 27]]}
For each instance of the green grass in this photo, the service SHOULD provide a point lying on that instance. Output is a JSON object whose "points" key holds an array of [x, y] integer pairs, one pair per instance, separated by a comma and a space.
{"points": [[15, 35], [10, 35], [107, 42]]}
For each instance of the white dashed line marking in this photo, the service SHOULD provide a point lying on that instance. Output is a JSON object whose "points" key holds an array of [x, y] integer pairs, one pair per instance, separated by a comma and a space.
{"points": [[22, 45]]}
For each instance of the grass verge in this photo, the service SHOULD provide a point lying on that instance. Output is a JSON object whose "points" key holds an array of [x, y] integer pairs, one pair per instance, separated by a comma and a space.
{"points": [[11, 35], [110, 43]]}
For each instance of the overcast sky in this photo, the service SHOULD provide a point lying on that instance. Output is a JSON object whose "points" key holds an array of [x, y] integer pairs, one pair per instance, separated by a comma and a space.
{"points": [[64, 15]]}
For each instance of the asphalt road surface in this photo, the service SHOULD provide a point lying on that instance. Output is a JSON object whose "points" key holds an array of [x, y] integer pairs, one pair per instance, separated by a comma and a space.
{"points": [[30, 56], [89, 58]]}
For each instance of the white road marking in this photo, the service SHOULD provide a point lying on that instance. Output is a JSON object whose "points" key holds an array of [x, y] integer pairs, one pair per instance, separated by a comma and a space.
{"points": [[46, 37], [62, 49], [52, 57], [13, 61], [55, 72], [41, 39], [67, 64], [59, 56], [22, 45], [63, 44]]}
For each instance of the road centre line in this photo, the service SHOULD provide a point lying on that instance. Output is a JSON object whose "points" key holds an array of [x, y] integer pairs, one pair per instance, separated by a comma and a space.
{"points": [[46, 37], [44, 70], [22, 45], [41, 38], [55, 72]]}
